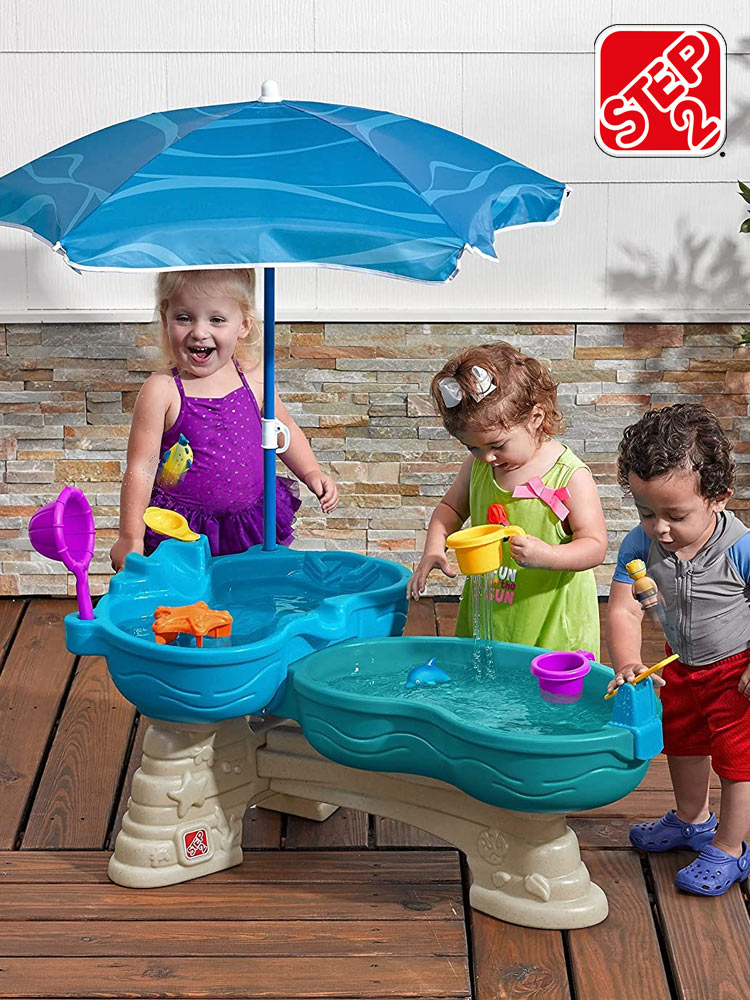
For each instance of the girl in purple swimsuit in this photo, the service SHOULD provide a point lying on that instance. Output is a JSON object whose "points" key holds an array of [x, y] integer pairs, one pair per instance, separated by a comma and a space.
{"points": [[195, 440]]}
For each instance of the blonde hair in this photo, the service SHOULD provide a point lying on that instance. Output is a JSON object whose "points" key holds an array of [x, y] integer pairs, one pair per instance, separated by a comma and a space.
{"points": [[522, 383], [236, 283]]}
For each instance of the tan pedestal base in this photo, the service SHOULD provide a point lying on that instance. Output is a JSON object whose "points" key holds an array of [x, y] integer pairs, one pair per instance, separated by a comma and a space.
{"points": [[184, 819]]}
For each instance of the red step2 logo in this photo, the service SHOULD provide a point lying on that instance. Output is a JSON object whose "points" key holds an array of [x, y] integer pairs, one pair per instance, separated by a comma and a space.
{"points": [[660, 90], [196, 843]]}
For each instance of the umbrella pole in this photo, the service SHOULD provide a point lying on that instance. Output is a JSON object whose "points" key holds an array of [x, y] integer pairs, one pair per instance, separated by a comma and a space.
{"points": [[269, 411]]}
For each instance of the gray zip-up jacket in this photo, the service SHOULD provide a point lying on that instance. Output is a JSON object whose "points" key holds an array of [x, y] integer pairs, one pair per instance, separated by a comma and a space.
{"points": [[706, 600]]}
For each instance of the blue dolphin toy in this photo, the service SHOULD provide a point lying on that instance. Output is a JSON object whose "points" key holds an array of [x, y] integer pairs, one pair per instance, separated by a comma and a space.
{"points": [[426, 675]]}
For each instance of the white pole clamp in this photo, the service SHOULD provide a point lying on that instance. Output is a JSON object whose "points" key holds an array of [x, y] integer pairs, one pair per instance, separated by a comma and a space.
{"points": [[270, 435]]}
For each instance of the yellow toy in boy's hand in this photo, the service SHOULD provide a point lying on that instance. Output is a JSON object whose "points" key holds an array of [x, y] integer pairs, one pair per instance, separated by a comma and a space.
{"points": [[644, 588], [175, 462], [170, 523], [646, 673]]}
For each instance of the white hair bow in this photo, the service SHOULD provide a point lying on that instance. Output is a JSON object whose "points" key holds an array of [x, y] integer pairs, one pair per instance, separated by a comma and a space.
{"points": [[452, 393]]}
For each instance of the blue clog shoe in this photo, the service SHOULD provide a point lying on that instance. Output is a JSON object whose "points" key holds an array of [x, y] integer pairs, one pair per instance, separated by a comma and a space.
{"points": [[713, 872], [670, 834]]}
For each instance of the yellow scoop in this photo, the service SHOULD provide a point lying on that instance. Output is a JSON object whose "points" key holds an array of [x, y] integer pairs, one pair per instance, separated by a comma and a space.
{"points": [[169, 522], [646, 673], [479, 549]]}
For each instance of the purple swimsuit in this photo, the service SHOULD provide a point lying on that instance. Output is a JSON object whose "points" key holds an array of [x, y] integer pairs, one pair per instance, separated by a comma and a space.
{"points": [[220, 492]]}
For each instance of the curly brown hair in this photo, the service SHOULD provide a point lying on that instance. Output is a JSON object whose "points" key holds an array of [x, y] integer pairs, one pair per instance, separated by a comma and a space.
{"points": [[684, 436], [522, 383]]}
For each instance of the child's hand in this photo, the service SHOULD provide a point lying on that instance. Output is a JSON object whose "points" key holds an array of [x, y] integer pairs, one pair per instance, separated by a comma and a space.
{"points": [[744, 686], [428, 562], [628, 673], [529, 551], [122, 548], [324, 489]]}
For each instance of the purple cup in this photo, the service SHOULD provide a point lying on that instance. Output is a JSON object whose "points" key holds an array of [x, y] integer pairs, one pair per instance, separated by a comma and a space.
{"points": [[64, 530], [560, 675]]}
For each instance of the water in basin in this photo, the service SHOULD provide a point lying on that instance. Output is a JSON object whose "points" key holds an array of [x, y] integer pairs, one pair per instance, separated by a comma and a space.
{"points": [[251, 622], [509, 700], [260, 605]]}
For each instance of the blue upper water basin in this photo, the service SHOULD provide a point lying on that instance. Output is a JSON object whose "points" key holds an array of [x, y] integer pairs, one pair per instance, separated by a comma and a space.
{"points": [[488, 731], [285, 604]]}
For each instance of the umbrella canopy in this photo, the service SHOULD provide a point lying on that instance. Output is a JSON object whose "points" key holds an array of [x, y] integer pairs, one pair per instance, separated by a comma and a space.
{"points": [[273, 182]]}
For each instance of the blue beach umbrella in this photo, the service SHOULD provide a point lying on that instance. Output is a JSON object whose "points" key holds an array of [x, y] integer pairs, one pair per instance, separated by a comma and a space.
{"points": [[274, 183]]}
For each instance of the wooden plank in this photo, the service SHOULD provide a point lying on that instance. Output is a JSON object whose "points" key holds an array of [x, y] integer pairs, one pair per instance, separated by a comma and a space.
{"points": [[392, 833], [421, 618], [70, 809], [446, 613], [10, 615], [134, 762], [416, 976], [619, 957], [601, 833], [657, 777], [208, 900], [261, 828], [644, 803], [707, 939], [415, 867], [345, 828], [511, 962], [233, 937], [32, 685]]}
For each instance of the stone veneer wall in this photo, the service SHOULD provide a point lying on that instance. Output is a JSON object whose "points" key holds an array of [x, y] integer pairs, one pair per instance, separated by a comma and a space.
{"points": [[359, 391]]}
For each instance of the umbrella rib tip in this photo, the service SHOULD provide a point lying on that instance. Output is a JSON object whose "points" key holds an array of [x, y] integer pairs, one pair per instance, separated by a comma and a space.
{"points": [[269, 92]]}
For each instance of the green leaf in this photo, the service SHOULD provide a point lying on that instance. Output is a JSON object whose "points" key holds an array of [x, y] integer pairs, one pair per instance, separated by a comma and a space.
{"points": [[744, 191], [745, 227]]}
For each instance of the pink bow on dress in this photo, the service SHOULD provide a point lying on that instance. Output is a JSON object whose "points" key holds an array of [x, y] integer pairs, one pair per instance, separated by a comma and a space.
{"points": [[553, 498]]}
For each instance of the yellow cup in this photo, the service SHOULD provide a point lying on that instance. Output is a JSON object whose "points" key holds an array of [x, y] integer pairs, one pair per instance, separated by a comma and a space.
{"points": [[170, 523], [480, 549]]}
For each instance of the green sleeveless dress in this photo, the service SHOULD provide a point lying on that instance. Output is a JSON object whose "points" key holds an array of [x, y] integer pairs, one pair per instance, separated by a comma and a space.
{"points": [[555, 609]]}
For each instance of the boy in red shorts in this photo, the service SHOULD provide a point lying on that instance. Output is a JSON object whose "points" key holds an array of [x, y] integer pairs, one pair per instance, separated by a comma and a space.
{"points": [[678, 465]]}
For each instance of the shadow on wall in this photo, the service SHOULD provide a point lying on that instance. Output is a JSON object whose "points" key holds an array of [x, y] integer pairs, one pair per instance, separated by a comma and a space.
{"points": [[738, 120], [702, 272]]}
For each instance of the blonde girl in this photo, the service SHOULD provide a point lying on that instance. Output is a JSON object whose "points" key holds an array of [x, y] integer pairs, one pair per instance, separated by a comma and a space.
{"points": [[195, 439]]}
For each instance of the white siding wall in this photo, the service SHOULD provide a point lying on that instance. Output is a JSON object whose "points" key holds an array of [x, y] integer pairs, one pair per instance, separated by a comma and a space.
{"points": [[639, 238]]}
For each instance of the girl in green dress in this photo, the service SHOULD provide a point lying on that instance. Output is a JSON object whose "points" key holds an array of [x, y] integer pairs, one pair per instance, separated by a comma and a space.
{"points": [[502, 406]]}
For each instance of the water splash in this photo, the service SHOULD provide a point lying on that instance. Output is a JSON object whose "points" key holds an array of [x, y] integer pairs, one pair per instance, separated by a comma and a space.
{"points": [[481, 611]]}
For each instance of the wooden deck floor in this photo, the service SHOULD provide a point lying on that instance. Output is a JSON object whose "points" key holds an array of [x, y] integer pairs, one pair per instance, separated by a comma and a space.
{"points": [[353, 907]]}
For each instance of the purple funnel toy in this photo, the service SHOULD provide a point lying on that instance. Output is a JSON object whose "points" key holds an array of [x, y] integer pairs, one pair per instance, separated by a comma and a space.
{"points": [[64, 530], [560, 675]]}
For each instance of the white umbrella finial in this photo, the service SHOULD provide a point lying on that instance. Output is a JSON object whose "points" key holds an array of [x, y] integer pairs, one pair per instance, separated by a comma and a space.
{"points": [[269, 92]]}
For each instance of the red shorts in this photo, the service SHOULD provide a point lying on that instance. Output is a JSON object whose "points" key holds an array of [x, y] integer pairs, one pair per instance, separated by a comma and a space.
{"points": [[705, 715]]}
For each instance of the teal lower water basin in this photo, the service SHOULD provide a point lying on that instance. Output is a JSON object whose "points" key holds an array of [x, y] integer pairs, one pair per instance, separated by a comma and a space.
{"points": [[285, 604], [488, 731]]}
